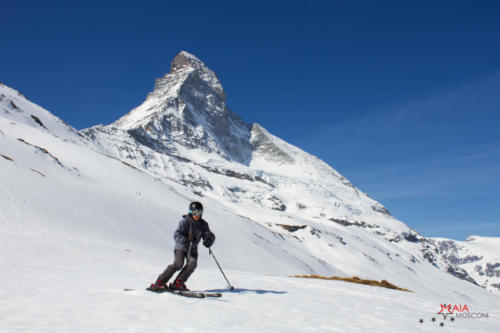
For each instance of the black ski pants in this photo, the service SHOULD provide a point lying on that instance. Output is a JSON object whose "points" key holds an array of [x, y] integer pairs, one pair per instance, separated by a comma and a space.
{"points": [[186, 271]]}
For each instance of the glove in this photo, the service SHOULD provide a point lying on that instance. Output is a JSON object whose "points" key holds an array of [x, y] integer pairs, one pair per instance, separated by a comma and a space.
{"points": [[209, 240]]}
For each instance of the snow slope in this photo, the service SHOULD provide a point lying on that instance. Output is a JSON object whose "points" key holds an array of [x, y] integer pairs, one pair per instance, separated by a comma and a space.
{"points": [[78, 289], [77, 225]]}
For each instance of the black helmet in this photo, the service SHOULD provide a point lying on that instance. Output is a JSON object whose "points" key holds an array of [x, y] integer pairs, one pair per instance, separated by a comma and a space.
{"points": [[196, 208]]}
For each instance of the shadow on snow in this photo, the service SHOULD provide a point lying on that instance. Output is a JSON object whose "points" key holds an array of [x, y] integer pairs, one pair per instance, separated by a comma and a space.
{"points": [[246, 291]]}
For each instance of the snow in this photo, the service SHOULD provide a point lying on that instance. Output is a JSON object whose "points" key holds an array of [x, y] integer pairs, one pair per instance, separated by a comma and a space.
{"points": [[73, 234], [484, 245], [77, 287]]}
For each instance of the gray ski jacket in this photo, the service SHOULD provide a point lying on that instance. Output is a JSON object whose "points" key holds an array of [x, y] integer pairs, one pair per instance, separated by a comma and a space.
{"points": [[191, 230]]}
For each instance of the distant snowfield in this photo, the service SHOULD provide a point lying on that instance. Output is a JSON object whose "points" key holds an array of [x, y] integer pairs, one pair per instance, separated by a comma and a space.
{"points": [[77, 226]]}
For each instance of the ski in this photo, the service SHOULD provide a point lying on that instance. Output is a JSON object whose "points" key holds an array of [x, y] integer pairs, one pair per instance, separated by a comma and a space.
{"points": [[208, 294], [185, 293]]}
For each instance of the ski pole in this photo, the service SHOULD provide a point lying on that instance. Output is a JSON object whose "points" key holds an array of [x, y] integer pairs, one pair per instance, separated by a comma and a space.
{"points": [[210, 251]]}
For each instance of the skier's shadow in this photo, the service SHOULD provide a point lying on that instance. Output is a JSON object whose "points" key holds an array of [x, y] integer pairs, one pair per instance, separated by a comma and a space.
{"points": [[246, 291]]}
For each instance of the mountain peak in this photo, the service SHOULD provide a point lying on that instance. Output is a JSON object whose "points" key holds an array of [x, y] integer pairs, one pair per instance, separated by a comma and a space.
{"points": [[192, 70], [187, 110], [185, 59]]}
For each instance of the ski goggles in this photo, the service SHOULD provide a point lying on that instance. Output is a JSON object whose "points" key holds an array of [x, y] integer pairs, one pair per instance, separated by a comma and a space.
{"points": [[196, 212]]}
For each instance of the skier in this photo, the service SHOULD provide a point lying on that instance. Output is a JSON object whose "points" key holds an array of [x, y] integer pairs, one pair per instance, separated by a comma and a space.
{"points": [[192, 228]]}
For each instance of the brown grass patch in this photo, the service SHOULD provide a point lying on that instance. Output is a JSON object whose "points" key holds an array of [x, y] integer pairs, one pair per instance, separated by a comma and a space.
{"points": [[354, 279]]}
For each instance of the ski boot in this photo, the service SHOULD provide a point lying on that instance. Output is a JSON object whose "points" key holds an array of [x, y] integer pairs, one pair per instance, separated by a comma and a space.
{"points": [[158, 286], [178, 285]]}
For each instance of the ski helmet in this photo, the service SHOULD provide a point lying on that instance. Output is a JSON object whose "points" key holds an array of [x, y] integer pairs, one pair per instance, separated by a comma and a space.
{"points": [[196, 208]]}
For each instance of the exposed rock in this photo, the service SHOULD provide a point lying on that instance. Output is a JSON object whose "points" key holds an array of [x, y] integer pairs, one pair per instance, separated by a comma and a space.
{"points": [[493, 270], [461, 274], [411, 237], [13, 106], [43, 150], [292, 228], [7, 157], [262, 144], [277, 203], [38, 121], [354, 223], [381, 209], [465, 260]]}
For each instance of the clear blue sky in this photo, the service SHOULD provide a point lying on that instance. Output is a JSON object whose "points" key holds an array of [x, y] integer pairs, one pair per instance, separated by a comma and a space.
{"points": [[401, 97]]}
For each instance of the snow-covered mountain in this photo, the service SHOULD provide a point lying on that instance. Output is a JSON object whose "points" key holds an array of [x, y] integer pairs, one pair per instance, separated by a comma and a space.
{"points": [[475, 260], [109, 198], [185, 132]]}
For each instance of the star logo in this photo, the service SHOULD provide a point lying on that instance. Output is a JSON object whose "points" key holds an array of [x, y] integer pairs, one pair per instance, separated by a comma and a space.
{"points": [[447, 307]]}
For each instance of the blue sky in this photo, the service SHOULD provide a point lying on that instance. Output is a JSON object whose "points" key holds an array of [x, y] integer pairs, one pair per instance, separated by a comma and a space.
{"points": [[402, 98]]}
